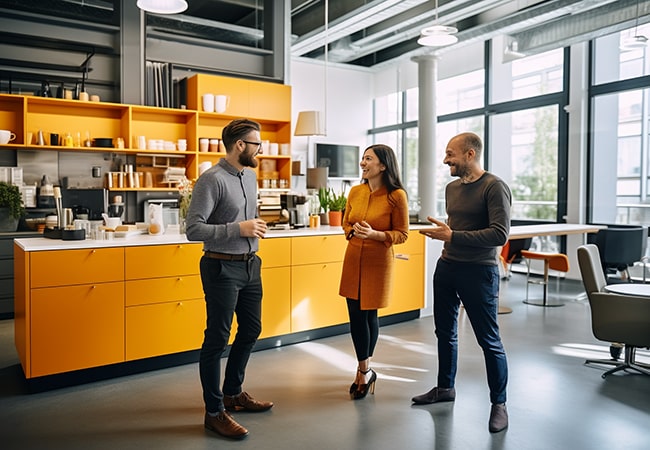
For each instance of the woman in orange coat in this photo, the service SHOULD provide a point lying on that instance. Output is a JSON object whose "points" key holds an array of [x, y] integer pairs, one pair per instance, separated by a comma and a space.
{"points": [[375, 219]]}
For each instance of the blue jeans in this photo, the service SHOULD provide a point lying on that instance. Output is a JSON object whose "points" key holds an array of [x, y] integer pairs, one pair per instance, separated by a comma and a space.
{"points": [[477, 286], [230, 287]]}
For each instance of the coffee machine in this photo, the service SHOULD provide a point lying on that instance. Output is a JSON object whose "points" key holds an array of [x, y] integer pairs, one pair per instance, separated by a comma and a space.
{"points": [[294, 208]]}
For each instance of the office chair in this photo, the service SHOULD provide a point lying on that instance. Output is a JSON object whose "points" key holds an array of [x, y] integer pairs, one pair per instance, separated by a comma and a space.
{"points": [[614, 317], [511, 254], [620, 247]]}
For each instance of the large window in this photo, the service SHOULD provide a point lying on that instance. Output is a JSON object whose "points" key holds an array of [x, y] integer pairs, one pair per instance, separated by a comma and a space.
{"points": [[620, 169], [521, 127]]}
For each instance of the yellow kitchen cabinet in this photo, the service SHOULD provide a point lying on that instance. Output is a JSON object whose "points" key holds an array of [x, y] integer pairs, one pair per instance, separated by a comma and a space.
{"points": [[408, 281], [157, 261], [237, 90], [276, 302], [269, 100], [165, 309], [76, 327], [164, 328], [318, 249], [408, 286], [67, 267], [160, 290], [315, 299], [168, 124]]}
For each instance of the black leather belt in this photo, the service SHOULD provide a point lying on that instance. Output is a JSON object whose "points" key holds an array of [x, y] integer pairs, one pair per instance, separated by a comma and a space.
{"points": [[229, 256]]}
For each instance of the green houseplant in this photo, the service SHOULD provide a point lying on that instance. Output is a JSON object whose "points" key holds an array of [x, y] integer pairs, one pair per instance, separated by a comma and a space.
{"points": [[336, 204], [11, 207]]}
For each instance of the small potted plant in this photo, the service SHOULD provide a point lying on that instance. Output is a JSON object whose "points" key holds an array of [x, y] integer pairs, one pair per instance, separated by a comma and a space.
{"points": [[336, 204], [11, 207], [323, 199]]}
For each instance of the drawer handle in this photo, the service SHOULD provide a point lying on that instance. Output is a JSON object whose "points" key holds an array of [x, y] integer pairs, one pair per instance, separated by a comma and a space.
{"points": [[179, 279], [180, 303], [93, 251], [402, 256], [94, 287]]}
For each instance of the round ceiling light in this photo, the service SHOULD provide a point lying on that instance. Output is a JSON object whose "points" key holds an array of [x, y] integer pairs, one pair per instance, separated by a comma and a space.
{"points": [[438, 36], [163, 6], [634, 43]]}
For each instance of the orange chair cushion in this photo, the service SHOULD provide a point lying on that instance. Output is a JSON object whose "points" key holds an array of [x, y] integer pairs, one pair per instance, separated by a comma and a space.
{"points": [[556, 261]]}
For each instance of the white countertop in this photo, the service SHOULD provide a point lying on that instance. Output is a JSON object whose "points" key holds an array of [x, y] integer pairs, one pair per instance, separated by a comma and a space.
{"points": [[37, 244]]}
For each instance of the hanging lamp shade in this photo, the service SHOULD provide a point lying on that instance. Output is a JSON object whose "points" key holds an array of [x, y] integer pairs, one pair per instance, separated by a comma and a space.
{"points": [[438, 36], [634, 43], [162, 6], [309, 123]]}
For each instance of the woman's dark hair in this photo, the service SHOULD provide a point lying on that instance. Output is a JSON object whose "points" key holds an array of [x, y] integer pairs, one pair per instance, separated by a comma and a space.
{"points": [[390, 176], [236, 130]]}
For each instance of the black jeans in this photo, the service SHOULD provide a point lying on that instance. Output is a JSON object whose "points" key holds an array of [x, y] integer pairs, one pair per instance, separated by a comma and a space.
{"points": [[230, 287], [477, 286]]}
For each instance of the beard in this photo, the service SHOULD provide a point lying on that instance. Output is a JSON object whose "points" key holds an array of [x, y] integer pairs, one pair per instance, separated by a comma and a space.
{"points": [[458, 171], [248, 160]]}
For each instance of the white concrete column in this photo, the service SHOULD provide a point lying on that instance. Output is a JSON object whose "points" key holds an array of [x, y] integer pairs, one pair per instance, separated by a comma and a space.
{"points": [[427, 80]]}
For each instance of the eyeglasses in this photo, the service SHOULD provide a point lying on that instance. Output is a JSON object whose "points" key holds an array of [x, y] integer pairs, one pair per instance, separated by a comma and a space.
{"points": [[259, 144]]}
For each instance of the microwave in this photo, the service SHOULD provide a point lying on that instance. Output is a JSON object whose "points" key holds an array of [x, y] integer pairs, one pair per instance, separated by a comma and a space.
{"points": [[170, 210]]}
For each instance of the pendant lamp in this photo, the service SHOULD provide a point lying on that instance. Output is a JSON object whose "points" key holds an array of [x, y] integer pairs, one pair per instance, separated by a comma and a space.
{"points": [[638, 41], [438, 35], [162, 6]]}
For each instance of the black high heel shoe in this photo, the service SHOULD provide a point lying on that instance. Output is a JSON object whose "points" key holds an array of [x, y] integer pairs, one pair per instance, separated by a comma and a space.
{"points": [[362, 389]]}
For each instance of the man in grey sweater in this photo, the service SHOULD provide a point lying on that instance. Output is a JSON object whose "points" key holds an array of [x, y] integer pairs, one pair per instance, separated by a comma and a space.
{"points": [[478, 221], [223, 215]]}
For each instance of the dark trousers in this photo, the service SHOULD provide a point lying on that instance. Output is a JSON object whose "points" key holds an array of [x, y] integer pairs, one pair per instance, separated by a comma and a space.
{"points": [[477, 286], [230, 287], [364, 329]]}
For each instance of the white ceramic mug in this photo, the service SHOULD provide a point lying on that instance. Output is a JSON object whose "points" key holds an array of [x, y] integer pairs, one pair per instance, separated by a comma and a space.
{"points": [[221, 103], [113, 222], [6, 136], [208, 102]]}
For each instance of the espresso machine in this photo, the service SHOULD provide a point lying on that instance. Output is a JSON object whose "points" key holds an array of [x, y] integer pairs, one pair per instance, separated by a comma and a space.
{"points": [[294, 208]]}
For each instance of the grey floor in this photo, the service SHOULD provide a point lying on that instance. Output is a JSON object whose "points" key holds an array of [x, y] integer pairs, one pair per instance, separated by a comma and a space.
{"points": [[555, 402]]}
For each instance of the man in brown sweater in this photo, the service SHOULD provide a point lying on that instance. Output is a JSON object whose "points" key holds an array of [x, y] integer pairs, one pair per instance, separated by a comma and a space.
{"points": [[478, 211]]}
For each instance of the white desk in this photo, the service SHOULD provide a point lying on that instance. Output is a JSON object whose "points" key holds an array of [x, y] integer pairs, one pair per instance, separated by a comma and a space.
{"points": [[639, 290], [551, 229]]}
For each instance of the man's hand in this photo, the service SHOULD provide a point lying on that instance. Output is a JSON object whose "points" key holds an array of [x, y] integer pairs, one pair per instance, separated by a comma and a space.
{"points": [[442, 232], [252, 228]]}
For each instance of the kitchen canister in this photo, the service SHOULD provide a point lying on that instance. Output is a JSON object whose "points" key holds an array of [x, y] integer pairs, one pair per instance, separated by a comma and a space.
{"points": [[208, 102]]}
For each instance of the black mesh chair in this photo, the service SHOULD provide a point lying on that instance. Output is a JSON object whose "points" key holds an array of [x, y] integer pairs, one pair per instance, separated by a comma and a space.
{"points": [[620, 248]]}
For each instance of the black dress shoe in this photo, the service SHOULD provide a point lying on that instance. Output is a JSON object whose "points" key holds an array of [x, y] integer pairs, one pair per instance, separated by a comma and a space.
{"points": [[498, 418], [435, 395]]}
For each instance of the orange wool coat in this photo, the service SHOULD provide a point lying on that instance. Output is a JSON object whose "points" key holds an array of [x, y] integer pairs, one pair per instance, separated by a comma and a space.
{"points": [[368, 264]]}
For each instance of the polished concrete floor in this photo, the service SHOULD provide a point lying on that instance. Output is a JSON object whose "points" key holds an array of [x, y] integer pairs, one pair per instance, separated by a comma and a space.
{"points": [[555, 401]]}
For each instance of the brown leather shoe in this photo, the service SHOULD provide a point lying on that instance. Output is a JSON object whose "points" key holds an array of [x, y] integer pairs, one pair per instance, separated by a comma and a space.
{"points": [[244, 402], [498, 418], [225, 425], [435, 395]]}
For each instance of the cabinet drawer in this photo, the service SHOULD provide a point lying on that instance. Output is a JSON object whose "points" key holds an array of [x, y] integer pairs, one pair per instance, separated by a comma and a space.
{"points": [[275, 252], [408, 286], [315, 299], [276, 303], [162, 260], [317, 249], [160, 290], [67, 267], [164, 328], [413, 245], [76, 327]]}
